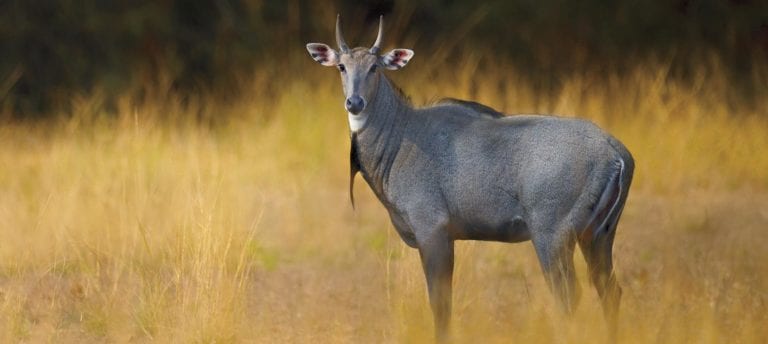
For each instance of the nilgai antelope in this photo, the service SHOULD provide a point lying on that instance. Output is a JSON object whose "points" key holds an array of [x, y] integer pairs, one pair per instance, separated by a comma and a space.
{"points": [[459, 170]]}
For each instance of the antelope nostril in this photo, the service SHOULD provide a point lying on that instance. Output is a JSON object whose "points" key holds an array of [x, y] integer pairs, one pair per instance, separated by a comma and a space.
{"points": [[355, 104]]}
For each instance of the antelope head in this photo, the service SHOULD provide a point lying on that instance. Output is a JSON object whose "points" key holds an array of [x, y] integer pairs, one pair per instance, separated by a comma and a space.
{"points": [[359, 67]]}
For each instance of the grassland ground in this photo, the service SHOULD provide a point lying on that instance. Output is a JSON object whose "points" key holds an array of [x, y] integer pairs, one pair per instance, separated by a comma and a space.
{"points": [[146, 226]]}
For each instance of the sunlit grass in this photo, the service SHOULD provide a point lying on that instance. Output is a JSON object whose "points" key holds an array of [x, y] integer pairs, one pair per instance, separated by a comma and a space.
{"points": [[149, 225]]}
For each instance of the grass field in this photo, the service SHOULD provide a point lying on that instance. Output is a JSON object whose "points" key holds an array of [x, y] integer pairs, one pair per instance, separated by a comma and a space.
{"points": [[148, 226]]}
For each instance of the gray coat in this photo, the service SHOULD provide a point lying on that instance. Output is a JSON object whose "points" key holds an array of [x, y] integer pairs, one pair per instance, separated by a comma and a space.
{"points": [[462, 171]]}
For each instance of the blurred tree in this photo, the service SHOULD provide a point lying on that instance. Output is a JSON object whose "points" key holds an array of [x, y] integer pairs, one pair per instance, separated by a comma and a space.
{"points": [[54, 49]]}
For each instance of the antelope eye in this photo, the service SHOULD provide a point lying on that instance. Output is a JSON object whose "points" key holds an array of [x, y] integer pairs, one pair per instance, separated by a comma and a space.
{"points": [[342, 68], [373, 69]]}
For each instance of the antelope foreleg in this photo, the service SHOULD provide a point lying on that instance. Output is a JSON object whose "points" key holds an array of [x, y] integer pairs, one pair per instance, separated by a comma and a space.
{"points": [[437, 261]]}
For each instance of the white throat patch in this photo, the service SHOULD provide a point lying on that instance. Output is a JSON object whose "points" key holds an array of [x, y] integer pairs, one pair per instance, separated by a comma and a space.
{"points": [[356, 122]]}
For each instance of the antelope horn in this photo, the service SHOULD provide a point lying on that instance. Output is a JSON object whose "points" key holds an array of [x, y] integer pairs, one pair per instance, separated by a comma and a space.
{"points": [[339, 37], [377, 45]]}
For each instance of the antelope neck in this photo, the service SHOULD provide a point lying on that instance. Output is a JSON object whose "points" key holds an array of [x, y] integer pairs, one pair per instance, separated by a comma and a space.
{"points": [[376, 143]]}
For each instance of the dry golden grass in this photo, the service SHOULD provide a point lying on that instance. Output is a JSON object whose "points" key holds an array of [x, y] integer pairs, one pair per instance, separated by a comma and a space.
{"points": [[149, 227]]}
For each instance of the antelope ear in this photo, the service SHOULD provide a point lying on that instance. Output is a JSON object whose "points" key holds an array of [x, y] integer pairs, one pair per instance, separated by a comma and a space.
{"points": [[323, 54], [397, 58]]}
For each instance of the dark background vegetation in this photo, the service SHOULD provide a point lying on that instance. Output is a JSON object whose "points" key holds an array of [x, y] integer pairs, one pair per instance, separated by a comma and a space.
{"points": [[55, 50]]}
